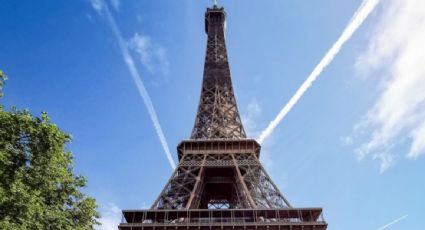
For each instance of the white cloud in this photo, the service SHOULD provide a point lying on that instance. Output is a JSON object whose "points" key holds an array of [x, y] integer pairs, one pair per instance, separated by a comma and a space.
{"points": [[97, 5], [89, 17], [346, 140], [110, 217], [152, 55], [356, 21], [250, 117], [116, 4], [396, 53], [128, 59]]}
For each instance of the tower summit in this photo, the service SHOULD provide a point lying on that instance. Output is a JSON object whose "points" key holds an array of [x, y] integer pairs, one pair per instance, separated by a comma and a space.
{"points": [[218, 116], [219, 183]]}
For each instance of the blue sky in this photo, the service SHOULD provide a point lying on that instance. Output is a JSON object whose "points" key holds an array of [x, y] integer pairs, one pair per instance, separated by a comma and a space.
{"points": [[353, 144]]}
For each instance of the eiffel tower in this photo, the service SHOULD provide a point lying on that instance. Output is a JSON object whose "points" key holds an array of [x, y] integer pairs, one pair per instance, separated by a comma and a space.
{"points": [[219, 182]]}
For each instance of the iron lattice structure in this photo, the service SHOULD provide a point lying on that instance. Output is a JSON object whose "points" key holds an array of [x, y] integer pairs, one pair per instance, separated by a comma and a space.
{"points": [[220, 173], [218, 115], [219, 181]]}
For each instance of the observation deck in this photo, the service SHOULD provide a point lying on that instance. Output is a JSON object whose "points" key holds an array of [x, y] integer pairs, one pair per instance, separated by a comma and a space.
{"points": [[224, 219]]}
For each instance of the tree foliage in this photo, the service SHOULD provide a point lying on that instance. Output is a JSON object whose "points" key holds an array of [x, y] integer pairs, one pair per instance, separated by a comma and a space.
{"points": [[2, 79], [38, 188]]}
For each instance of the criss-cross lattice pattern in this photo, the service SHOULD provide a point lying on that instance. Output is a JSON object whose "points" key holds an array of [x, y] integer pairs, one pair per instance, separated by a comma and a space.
{"points": [[219, 183], [218, 115], [250, 184], [219, 168]]}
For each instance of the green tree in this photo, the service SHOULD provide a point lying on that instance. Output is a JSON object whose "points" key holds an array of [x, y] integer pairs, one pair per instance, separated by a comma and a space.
{"points": [[2, 79], [38, 187]]}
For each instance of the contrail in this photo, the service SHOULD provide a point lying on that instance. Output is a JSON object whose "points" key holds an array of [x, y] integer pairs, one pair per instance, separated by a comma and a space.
{"points": [[356, 21], [393, 222], [137, 80]]}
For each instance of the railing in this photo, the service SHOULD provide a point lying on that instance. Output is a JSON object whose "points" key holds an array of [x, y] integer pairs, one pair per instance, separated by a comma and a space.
{"points": [[218, 146], [224, 216]]}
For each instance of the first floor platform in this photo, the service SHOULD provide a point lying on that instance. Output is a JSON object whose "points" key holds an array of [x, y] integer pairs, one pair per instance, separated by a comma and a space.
{"points": [[224, 219]]}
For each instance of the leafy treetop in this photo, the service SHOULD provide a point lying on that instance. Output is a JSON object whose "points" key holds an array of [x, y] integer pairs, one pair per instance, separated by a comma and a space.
{"points": [[38, 188]]}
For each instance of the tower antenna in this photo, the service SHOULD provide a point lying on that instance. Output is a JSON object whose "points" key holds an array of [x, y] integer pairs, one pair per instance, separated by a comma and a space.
{"points": [[215, 2]]}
